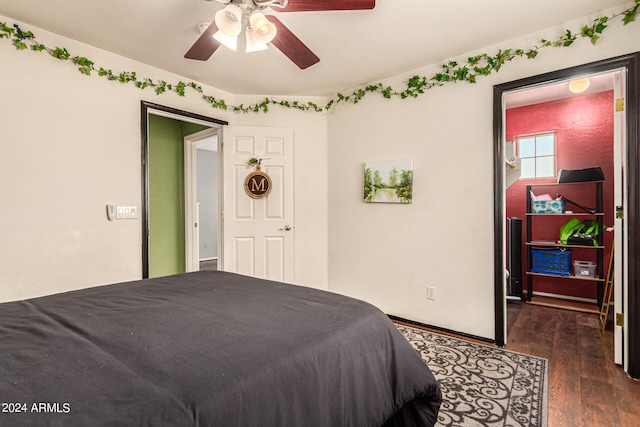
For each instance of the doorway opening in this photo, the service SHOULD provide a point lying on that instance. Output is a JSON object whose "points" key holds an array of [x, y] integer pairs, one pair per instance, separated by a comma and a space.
{"points": [[202, 177], [548, 129], [208, 171], [164, 237], [629, 297]]}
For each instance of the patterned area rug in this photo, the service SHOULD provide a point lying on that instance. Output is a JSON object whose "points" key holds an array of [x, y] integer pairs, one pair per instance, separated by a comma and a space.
{"points": [[483, 385]]}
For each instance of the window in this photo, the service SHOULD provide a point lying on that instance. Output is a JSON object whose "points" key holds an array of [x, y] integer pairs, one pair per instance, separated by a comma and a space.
{"points": [[537, 155]]}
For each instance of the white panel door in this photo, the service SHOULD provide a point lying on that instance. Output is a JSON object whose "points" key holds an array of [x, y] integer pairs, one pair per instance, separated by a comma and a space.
{"points": [[258, 233]]}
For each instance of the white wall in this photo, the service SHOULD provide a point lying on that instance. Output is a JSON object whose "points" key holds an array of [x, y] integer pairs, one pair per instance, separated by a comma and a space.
{"points": [[70, 144], [389, 254], [208, 209]]}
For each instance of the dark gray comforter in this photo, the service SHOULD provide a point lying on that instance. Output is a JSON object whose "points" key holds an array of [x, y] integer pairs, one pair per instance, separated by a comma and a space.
{"points": [[208, 349]]}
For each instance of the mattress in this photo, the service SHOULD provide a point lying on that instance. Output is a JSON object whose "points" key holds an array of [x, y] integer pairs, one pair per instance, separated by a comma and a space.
{"points": [[208, 349]]}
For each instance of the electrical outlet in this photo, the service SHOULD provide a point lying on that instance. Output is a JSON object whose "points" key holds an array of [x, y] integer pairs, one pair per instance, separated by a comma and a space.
{"points": [[431, 293]]}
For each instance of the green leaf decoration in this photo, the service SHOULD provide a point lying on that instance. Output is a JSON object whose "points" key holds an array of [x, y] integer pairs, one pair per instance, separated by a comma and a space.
{"points": [[61, 53], [20, 44], [451, 71], [630, 15]]}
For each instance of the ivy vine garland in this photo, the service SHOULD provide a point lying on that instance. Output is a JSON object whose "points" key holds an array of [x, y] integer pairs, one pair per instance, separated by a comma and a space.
{"points": [[452, 72]]}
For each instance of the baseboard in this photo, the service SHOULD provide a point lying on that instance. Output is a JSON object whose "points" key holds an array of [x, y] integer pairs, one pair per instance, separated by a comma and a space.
{"points": [[442, 330]]}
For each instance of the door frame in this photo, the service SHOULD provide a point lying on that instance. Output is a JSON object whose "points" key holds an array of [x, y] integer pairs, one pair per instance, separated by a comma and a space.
{"points": [[631, 63], [147, 108]]}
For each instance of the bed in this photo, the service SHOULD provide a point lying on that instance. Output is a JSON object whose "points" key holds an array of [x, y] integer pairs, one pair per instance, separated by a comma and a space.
{"points": [[208, 349]]}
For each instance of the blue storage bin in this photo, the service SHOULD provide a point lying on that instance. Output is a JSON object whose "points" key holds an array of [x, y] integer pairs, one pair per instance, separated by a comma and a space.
{"points": [[551, 261], [547, 206]]}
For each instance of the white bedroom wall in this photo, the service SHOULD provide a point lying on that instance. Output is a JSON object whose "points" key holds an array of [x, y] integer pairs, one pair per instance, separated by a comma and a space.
{"points": [[388, 254], [208, 209], [70, 144]]}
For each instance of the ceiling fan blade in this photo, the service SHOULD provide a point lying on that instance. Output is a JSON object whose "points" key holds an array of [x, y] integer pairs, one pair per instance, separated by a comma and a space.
{"points": [[293, 48], [320, 5], [204, 47]]}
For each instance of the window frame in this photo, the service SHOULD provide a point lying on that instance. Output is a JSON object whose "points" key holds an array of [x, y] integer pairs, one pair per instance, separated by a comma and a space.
{"points": [[536, 156]]}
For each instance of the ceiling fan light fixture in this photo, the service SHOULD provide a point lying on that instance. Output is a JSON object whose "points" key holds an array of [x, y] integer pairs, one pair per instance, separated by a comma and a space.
{"points": [[229, 20], [252, 46], [229, 41], [263, 31], [236, 16]]}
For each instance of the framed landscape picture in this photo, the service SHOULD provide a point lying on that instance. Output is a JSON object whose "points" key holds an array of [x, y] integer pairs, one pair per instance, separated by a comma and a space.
{"points": [[388, 181]]}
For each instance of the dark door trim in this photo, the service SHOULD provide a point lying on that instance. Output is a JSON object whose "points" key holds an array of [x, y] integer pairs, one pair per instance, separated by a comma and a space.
{"points": [[631, 63], [147, 108]]}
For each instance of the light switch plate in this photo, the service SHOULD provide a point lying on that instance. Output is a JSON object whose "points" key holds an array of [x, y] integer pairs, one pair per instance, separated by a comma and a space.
{"points": [[126, 212], [121, 212]]}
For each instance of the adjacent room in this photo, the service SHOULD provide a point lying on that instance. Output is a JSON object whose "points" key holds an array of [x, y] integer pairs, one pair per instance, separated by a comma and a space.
{"points": [[569, 130], [264, 212]]}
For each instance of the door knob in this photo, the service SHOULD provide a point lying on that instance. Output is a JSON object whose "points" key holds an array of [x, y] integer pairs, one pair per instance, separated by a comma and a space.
{"points": [[286, 228]]}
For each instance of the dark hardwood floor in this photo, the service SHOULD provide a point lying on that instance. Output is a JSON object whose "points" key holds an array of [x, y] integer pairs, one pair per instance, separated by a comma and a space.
{"points": [[586, 387]]}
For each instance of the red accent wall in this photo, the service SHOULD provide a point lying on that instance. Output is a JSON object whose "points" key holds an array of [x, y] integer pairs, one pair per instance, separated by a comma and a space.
{"points": [[584, 139]]}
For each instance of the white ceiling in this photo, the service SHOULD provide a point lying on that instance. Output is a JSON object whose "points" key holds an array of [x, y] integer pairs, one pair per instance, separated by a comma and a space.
{"points": [[553, 92], [355, 47]]}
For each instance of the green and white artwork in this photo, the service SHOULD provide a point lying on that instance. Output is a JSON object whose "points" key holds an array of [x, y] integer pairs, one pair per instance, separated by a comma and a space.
{"points": [[389, 181]]}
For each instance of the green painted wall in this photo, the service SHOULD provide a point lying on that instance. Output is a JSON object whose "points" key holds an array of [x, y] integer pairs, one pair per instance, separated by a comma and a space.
{"points": [[166, 194]]}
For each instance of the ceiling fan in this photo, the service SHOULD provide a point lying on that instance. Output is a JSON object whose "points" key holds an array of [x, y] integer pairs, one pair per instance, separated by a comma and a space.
{"points": [[261, 29]]}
